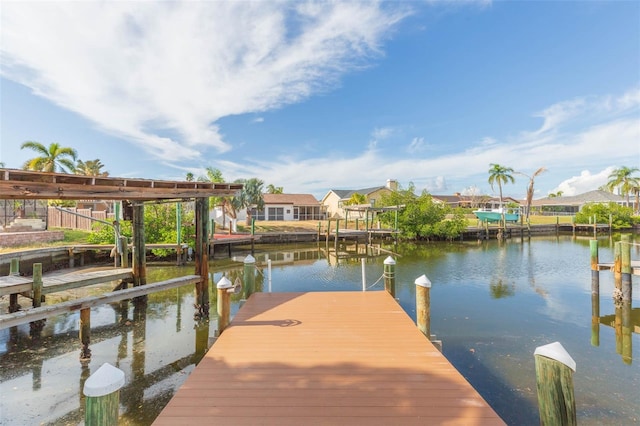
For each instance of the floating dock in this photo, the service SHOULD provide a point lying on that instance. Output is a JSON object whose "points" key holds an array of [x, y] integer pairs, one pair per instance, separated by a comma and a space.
{"points": [[347, 358]]}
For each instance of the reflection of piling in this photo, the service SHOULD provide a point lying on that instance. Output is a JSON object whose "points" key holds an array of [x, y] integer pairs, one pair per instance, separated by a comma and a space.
{"points": [[554, 382], [617, 326], [617, 266], [627, 327], [390, 276], [625, 248], [102, 390], [595, 312]]}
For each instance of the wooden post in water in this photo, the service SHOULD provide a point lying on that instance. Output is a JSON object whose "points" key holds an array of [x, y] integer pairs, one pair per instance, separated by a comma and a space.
{"points": [[224, 303], [102, 390], [37, 285], [124, 252], [617, 265], [625, 247], [139, 249], [14, 269], [249, 275], [595, 294], [390, 276], [85, 334], [423, 305], [554, 382], [202, 256]]}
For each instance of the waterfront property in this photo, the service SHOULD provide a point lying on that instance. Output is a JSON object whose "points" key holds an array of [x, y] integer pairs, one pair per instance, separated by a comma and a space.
{"points": [[334, 201]]}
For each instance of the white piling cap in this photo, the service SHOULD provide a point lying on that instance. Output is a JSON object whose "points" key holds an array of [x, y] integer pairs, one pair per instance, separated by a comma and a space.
{"points": [[556, 352], [389, 261], [423, 281], [107, 379], [249, 259], [224, 283]]}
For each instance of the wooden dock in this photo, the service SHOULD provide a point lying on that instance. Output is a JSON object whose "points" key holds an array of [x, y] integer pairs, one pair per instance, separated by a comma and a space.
{"points": [[608, 266], [326, 358], [55, 282]]}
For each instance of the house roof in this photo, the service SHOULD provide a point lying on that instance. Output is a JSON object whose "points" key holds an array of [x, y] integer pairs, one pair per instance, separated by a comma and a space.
{"points": [[293, 199], [345, 194], [596, 196]]}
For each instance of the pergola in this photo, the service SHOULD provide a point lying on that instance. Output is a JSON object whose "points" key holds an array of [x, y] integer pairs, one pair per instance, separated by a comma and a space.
{"points": [[30, 185]]}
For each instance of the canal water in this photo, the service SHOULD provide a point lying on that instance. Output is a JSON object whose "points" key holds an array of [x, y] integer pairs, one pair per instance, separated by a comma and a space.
{"points": [[492, 304]]}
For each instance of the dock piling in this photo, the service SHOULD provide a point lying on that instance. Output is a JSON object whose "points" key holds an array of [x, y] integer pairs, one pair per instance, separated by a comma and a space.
{"points": [[224, 303], [390, 276], [14, 269], [625, 248], [37, 284], [85, 334], [102, 390], [554, 383], [249, 276], [423, 305]]}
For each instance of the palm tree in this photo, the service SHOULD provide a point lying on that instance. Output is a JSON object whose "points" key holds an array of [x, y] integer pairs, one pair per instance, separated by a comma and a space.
{"points": [[356, 199], [251, 195], [623, 179], [272, 189], [1, 164], [189, 177], [90, 168], [500, 174], [556, 194], [51, 159], [530, 187]]}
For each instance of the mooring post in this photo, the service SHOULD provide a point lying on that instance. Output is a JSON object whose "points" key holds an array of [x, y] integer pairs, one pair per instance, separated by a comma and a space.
{"points": [[249, 275], [14, 269], [554, 382], [595, 273], [617, 265], [269, 273], [37, 284], [319, 225], [224, 303], [423, 305], [625, 247], [102, 390], [390, 276], [85, 334], [124, 252]]}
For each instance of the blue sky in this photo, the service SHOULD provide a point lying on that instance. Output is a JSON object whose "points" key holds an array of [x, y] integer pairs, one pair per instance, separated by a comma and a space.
{"points": [[334, 95]]}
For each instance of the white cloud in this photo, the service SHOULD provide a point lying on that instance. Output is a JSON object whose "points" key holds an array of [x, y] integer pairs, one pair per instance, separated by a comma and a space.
{"points": [[416, 145], [586, 181], [121, 65], [258, 120]]}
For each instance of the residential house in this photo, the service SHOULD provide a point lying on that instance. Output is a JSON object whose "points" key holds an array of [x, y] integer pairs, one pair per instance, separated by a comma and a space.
{"points": [[473, 201], [335, 199], [290, 207], [574, 203]]}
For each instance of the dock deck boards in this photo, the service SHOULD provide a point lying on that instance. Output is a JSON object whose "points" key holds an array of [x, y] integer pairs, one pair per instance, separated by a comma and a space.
{"points": [[63, 281], [325, 358]]}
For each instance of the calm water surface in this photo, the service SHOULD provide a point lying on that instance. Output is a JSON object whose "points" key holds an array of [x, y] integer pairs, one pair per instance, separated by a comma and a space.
{"points": [[492, 304]]}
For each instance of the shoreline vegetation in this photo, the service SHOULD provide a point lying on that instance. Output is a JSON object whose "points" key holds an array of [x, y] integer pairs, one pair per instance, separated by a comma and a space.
{"points": [[75, 236]]}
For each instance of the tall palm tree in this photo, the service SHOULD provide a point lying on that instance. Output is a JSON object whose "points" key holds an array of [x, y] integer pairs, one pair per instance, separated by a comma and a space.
{"points": [[1, 164], [90, 168], [272, 189], [623, 179], [52, 159], [251, 195], [500, 175], [189, 177], [530, 187]]}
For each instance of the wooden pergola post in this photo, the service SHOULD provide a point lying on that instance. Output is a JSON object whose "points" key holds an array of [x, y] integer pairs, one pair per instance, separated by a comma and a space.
{"points": [[139, 249], [202, 256]]}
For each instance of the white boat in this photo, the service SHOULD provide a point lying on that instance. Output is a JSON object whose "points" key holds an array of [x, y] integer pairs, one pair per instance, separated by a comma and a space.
{"points": [[496, 215]]}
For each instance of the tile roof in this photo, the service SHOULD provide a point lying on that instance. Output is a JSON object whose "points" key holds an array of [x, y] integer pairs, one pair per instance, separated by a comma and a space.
{"points": [[596, 196]]}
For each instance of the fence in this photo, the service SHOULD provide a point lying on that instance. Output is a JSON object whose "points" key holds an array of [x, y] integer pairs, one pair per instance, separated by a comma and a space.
{"points": [[67, 218]]}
